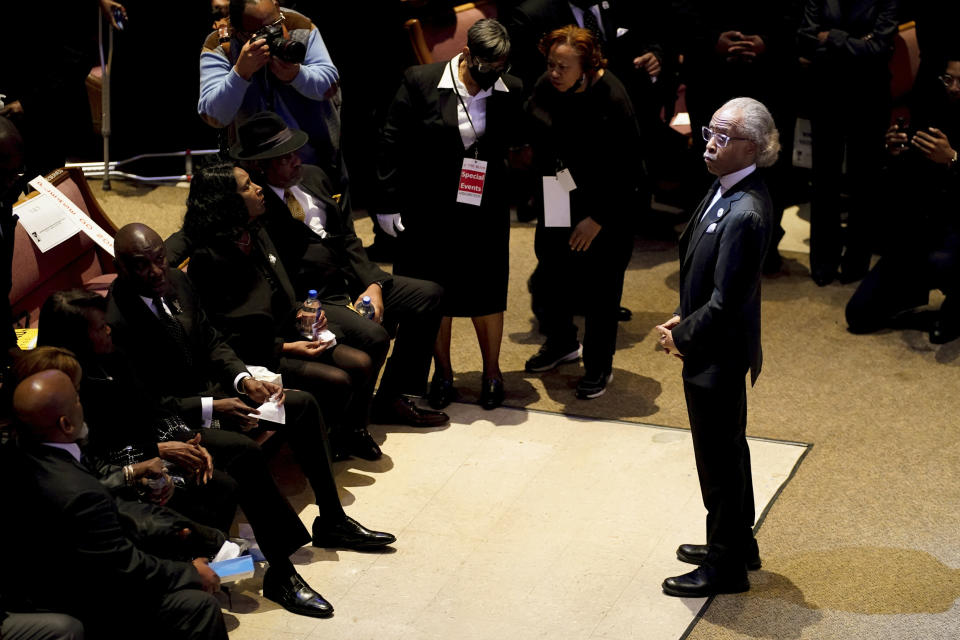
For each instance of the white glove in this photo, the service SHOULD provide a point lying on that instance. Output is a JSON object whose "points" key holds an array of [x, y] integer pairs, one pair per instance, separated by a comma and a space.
{"points": [[390, 223]]}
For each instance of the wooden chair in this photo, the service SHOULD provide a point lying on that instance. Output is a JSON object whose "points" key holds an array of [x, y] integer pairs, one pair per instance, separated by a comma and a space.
{"points": [[75, 263], [904, 62], [441, 37]]}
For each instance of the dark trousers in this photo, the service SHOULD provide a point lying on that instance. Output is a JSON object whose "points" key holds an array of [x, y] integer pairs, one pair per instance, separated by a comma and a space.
{"points": [[903, 280], [590, 282], [412, 315], [307, 436], [182, 614], [718, 423], [40, 626], [276, 525], [844, 122]]}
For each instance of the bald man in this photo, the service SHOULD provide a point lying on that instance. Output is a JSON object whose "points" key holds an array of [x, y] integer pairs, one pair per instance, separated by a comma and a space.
{"points": [[83, 564], [11, 187], [157, 322]]}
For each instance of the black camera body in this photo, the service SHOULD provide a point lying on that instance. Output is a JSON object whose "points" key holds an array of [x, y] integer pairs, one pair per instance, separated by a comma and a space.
{"points": [[286, 50]]}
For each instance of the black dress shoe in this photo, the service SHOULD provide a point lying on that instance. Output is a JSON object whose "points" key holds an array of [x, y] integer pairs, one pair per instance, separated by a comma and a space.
{"points": [[349, 534], [442, 392], [697, 554], [705, 581], [361, 444], [401, 410], [823, 278], [624, 314], [295, 595], [491, 394]]}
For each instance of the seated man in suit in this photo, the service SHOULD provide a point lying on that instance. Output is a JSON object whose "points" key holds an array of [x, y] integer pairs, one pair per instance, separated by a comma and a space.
{"points": [[80, 562], [317, 243], [156, 322]]}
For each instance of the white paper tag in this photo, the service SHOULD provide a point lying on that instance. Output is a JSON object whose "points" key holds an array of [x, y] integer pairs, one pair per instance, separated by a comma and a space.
{"points": [[566, 180], [556, 203], [472, 176]]}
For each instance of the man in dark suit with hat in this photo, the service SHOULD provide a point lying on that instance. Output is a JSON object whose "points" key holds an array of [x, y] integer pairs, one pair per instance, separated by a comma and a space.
{"points": [[716, 332], [313, 232]]}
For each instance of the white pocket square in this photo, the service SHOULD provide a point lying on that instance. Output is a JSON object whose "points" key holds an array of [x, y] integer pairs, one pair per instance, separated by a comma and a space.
{"points": [[621, 32], [712, 228]]}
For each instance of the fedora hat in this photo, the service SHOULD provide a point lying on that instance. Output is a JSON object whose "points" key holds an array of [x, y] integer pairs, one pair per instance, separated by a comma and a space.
{"points": [[265, 135]]}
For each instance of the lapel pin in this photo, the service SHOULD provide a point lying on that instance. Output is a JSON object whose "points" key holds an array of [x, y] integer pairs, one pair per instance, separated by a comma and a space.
{"points": [[272, 258], [720, 212]]}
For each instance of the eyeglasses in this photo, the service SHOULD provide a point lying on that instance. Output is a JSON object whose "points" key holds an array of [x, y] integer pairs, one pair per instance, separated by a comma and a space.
{"points": [[722, 139], [948, 80], [485, 67]]}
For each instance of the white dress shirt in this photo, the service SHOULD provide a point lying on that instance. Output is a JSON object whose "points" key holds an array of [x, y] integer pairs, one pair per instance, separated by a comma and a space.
{"points": [[726, 182], [314, 210], [476, 105], [594, 9], [70, 447], [206, 402]]}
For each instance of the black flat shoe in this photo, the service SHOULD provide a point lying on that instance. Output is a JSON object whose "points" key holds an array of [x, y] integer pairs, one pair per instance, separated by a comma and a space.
{"points": [[349, 534], [442, 392], [706, 581], [943, 332], [491, 394], [295, 595]]}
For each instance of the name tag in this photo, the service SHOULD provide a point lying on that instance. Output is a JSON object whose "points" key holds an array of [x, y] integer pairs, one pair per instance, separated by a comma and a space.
{"points": [[566, 180], [472, 176]]}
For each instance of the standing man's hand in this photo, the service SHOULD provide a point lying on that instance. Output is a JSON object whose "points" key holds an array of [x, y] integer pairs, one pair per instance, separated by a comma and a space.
{"points": [[649, 63], [107, 7], [584, 233], [253, 56], [376, 299], [726, 40], [666, 336], [284, 71]]}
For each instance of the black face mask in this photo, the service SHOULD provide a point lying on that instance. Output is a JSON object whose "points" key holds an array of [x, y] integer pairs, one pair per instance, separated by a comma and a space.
{"points": [[485, 79]]}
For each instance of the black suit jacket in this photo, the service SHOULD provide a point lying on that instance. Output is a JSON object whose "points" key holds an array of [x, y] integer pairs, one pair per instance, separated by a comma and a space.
{"points": [[720, 265], [155, 355], [336, 266], [860, 39], [79, 560], [641, 27]]}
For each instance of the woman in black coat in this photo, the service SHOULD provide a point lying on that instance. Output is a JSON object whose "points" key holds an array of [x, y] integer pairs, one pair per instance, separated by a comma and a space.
{"points": [[446, 116], [584, 129], [248, 295]]}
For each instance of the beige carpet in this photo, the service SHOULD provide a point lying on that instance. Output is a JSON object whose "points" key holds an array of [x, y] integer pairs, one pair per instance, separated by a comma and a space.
{"points": [[865, 541], [512, 524]]}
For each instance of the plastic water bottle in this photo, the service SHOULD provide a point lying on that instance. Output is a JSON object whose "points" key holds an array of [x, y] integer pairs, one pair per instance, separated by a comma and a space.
{"points": [[310, 310], [365, 308]]}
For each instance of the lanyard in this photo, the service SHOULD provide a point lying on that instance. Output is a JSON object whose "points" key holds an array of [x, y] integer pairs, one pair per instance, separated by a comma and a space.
{"points": [[476, 137]]}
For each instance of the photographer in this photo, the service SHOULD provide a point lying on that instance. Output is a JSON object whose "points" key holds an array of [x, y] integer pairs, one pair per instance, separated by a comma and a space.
{"points": [[924, 254], [274, 61]]}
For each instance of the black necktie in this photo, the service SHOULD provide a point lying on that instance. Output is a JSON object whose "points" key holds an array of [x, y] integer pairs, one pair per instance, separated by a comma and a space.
{"points": [[175, 330], [590, 23]]}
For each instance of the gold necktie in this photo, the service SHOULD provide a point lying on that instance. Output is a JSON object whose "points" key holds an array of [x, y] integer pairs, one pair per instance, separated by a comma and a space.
{"points": [[295, 209]]}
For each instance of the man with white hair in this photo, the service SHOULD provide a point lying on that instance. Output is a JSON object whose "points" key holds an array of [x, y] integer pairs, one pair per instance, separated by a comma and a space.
{"points": [[716, 332]]}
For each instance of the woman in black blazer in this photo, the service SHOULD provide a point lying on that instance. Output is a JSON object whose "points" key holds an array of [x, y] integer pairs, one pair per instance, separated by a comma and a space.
{"points": [[248, 295], [445, 116]]}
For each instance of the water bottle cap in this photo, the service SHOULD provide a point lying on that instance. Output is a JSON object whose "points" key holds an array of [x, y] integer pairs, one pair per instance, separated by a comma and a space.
{"points": [[366, 299], [312, 293]]}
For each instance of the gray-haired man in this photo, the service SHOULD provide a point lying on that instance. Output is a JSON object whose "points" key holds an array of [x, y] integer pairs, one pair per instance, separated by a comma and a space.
{"points": [[716, 332]]}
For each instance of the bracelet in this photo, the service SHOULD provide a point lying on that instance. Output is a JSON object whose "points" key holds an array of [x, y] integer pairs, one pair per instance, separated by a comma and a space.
{"points": [[128, 478]]}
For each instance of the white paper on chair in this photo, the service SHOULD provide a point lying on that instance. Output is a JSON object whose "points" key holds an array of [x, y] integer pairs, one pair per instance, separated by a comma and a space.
{"points": [[45, 221], [81, 219], [556, 203]]}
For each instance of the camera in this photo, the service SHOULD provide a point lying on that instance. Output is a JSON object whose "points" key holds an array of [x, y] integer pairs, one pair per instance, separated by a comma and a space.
{"points": [[286, 50]]}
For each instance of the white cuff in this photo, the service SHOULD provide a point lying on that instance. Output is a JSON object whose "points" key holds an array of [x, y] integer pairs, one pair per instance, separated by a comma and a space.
{"points": [[240, 376], [206, 411]]}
